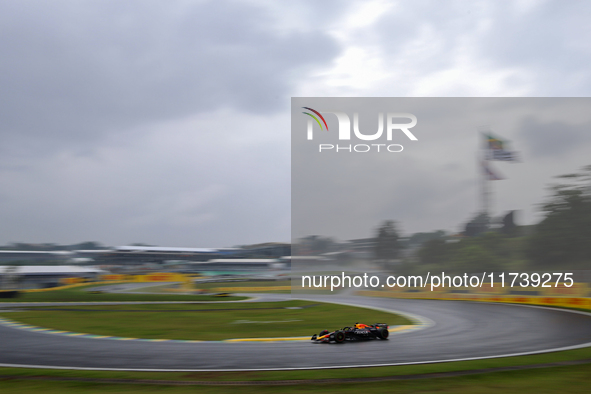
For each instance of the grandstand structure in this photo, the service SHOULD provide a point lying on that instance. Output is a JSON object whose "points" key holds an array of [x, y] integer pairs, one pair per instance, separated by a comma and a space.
{"points": [[134, 256]]}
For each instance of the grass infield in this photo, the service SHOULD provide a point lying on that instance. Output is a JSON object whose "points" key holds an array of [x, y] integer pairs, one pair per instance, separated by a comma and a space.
{"points": [[203, 321], [568, 379]]}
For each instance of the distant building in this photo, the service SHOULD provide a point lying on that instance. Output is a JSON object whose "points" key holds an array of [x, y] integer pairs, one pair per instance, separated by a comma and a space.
{"points": [[134, 257], [265, 250], [34, 257], [138, 255], [238, 266], [43, 276], [363, 248]]}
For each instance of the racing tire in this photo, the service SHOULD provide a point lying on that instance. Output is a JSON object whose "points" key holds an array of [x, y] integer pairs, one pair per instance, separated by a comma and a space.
{"points": [[383, 333], [323, 332], [339, 336]]}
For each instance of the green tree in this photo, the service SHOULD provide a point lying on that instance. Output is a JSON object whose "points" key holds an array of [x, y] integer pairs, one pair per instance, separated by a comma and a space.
{"points": [[316, 245], [561, 239], [387, 246], [478, 225], [474, 257], [509, 227], [487, 252], [434, 252], [420, 238]]}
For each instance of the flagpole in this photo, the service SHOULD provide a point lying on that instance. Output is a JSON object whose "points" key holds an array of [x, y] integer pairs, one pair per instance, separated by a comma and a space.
{"points": [[485, 192], [492, 149], [485, 178]]}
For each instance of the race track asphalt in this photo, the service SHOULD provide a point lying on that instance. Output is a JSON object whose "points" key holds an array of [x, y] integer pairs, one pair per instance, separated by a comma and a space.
{"points": [[459, 330]]}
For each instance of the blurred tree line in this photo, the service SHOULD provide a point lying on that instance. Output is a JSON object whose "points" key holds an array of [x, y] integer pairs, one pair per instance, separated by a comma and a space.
{"points": [[490, 251], [90, 245], [562, 240], [563, 237]]}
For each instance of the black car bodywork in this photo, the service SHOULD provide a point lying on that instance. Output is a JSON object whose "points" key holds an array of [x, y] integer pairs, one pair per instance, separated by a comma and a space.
{"points": [[359, 332]]}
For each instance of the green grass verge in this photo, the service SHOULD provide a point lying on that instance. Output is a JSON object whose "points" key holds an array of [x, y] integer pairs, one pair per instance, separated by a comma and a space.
{"points": [[312, 374], [572, 379], [204, 321], [79, 294]]}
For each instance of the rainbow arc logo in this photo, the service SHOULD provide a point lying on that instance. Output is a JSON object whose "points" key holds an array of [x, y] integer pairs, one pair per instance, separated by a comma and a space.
{"points": [[315, 118], [386, 125]]}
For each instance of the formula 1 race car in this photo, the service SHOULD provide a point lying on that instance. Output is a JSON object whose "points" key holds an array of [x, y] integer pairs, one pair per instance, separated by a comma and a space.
{"points": [[359, 332]]}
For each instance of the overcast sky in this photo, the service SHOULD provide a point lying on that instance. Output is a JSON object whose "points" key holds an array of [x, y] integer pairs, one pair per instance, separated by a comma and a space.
{"points": [[168, 122]]}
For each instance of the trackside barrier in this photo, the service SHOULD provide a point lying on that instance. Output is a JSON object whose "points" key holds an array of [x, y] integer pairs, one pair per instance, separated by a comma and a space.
{"points": [[152, 277], [238, 289], [117, 277], [61, 287], [69, 283], [576, 296], [72, 281]]}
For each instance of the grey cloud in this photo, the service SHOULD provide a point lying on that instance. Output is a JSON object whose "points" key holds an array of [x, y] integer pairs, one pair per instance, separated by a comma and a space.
{"points": [[551, 40], [553, 139], [98, 137], [73, 71], [548, 41], [162, 189], [95, 104]]}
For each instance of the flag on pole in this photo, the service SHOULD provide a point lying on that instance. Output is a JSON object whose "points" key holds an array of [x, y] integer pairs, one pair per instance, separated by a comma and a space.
{"points": [[489, 174], [502, 155], [494, 143], [496, 149]]}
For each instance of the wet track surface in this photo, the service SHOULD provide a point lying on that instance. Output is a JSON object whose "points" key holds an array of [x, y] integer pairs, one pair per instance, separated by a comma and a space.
{"points": [[461, 330]]}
